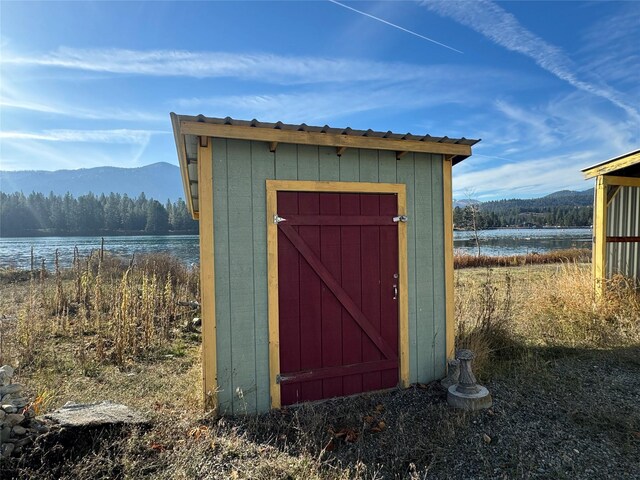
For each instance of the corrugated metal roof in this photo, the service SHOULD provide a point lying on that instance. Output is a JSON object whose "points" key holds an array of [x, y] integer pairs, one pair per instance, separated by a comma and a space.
{"points": [[303, 127]]}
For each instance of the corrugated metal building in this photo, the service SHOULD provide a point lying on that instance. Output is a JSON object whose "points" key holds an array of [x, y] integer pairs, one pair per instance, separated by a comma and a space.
{"points": [[326, 258], [616, 225]]}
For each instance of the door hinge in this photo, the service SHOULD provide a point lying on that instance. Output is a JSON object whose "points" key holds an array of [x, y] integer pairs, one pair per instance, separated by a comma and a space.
{"points": [[277, 219], [278, 378], [400, 218]]}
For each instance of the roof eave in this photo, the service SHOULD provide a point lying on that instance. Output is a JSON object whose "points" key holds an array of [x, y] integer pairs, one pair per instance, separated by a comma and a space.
{"points": [[182, 160], [613, 164]]}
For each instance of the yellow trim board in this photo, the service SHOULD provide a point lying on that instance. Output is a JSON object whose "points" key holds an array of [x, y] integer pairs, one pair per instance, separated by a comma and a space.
{"points": [[600, 237], [207, 276], [273, 187], [188, 127], [450, 325], [272, 279], [621, 181]]}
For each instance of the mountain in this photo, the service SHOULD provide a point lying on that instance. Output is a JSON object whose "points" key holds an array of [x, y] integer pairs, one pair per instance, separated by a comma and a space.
{"points": [[160, 180], [564, 208]]}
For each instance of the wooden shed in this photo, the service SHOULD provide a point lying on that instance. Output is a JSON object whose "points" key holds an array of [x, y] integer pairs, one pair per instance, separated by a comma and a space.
{"points": [[616, 219], [326, 258]]}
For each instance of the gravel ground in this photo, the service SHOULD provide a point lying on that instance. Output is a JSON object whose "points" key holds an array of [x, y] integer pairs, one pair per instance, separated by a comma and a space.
{"points": [[561, 415]]}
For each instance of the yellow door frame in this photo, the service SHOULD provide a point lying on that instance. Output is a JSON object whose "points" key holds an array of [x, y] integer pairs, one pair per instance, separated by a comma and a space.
{"points": [[275, 186]]}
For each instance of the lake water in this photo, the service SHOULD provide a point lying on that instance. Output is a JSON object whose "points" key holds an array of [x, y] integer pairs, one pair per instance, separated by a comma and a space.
{"points": [[16, 252]]}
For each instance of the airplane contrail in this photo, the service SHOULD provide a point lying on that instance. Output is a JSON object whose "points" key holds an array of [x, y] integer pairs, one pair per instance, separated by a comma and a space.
{"points": [[394, 25]]}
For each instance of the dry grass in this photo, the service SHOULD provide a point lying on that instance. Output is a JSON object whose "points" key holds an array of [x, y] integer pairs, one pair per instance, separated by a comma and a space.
{"points": [[534, 328], [111, 310], [557, 256]]}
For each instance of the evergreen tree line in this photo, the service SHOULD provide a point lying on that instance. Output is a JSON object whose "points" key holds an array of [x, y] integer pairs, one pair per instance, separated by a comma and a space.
{"points": [[113, 214], [511, 216]]}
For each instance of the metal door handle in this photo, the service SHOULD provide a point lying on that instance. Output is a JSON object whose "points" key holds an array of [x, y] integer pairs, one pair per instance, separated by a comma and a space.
{"points": [[395, 292]]}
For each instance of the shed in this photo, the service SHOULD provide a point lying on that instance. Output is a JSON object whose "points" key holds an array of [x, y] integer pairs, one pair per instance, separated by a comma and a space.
{"points": [[616, 219], [326, 258]]}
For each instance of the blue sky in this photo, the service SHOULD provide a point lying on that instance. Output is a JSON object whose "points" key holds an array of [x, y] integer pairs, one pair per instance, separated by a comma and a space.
{"points": [[550, 87]]}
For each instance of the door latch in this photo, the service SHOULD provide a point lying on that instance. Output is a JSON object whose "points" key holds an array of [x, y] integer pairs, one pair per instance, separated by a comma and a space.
{"points": [[400, 218], [395, 292], [277, 219]]}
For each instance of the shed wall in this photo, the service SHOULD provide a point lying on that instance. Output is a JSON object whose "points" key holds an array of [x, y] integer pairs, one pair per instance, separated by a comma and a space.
{"points": [[240, 169], [623, 220]]}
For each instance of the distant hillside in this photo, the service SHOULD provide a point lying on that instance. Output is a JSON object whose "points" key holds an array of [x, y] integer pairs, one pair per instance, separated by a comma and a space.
{"points": [[563, 198], [565, 208], [159, 180]]}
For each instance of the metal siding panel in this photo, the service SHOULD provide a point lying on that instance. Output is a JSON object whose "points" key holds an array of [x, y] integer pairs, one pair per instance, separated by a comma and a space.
{"points": [[423, 219], [243, 354], [329, 164], [308, 166], [221, 253], [262, 168], [623, 219], [405, 174], [439, 292]]}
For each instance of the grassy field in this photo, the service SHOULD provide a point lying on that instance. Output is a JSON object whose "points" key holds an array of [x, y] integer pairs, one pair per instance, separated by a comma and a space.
{"points": [[562, 367]]}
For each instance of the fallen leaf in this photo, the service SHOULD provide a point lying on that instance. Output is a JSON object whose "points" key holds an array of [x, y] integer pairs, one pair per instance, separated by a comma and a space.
{"points": [[158, 447], [486, 438], [368, 419], [351, 437], [423, 386], [379, 408], [379, 427], [491, 412]]}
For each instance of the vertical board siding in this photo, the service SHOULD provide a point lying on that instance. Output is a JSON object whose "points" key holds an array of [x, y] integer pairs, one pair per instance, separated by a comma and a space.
{"points": [[623, 220], [406, 174], [262, 166], [424, 265], [241, 276], [438, 267], [240, 171], [221, 253]]}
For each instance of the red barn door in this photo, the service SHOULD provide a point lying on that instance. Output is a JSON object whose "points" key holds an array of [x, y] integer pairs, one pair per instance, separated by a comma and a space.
{"points": [[337, 294]]}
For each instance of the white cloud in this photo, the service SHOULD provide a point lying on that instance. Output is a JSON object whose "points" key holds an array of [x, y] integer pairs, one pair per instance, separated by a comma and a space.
{"points": [[118, 136], [503, 28]]}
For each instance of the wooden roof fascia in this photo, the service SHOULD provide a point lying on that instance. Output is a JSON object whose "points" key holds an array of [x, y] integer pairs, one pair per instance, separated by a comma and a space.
{"points": [[322, 139], [182, 160], [613, 165], [621, 181]]}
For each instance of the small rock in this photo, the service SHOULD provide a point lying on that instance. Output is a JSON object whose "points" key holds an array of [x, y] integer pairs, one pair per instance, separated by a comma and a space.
{"points": [[23, 441], [5, 434], [9, 408], [2, 415], [13, 419], [6, 372], [95, 414], [196, 322], [6, 449], [486, 438], [11, 388], [19, 402], [19, 430]]}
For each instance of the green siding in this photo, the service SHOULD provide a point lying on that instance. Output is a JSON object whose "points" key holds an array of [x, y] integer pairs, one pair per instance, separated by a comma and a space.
{"points": [[221, 254], [406, 174], [240, 171]]}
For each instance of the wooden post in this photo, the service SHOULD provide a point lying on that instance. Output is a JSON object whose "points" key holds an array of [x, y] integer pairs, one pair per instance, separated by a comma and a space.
{"points": [[450, 333], [600, 237], [207, 273]]}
